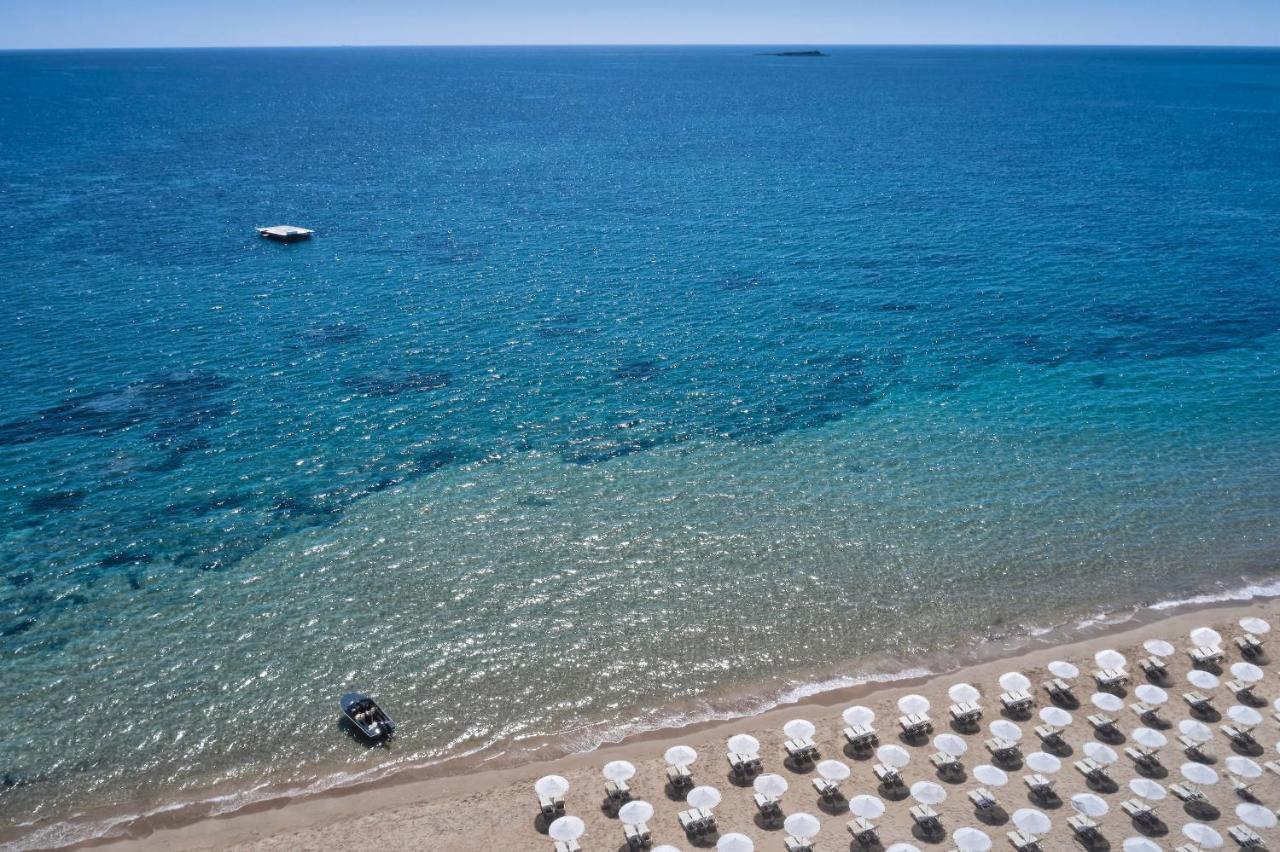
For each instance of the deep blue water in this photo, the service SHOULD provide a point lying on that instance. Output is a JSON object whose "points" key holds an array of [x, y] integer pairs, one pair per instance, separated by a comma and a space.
{"points": [[1035, 290]]}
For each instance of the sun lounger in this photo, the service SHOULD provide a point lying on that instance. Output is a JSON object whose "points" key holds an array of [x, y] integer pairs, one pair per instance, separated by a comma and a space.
{"points": [[945, 763], [1272, 766], [1139, 811], [1144, 759], [1148, 714], [966, 715], [827, 791], [1094, 772], [1084, 828], [617, 792], [863, 832], [1103, 724], [637, 836], [1017, 702], [888, 776], [1243, 691], [1242, 788], [679, 777], [983, 800], [1003, 750], [1050, 736], [1206, 656], [567, 846], [744, 766], [795, 844], [1191, 748], [802, 752], [1154, 668], [770, 808], [1241, 736], [1249, 645], [1024, 842], [1183, 793], [861, 738], [697, 822], [927, 818], [552, 807], [1108, 679], [1060, 691], [915, 725], [1198, 702], [1039, 786], [1245, 837]]}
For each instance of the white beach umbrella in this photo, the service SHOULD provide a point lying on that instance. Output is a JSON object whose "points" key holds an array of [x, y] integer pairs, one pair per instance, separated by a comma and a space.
{"points": [[734, 842], [893, 755], [680, 755], [1145, 788], [928, 793], [1206, 637], [618, 770], [1251, 624], [1089, 805], [867, 807], [799, 729], [833, 771], [913, 705], [1202, 679], [566, 829], [771, 784], [1100, 753], [1141, 844], [1032, 821], [1043, 763], [1247, 672], [1150, 694], [1055, 716], [744, 744], [1275, 705], [963, 693], [1158, 647], [1005, 730], [802, 825], [950, 744], [665, 847], [1149, 738], [551, 786], [903, 847], [858, 716], [1107, 702], [1199, 774], [1244, 767], [971, 840], [992, 776], [703, 797], [1202, 835], [1014, 681], [1193, 730], [1064, 670], [1256, 816], [634, 813], [1109, 659], [1246, 716]]}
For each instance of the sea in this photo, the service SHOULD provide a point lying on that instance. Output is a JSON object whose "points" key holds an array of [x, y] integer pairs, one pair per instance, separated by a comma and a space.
{"points": [[618, 388]]}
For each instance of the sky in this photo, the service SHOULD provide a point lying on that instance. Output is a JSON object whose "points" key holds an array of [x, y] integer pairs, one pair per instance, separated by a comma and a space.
{"points": [[211, 23]]}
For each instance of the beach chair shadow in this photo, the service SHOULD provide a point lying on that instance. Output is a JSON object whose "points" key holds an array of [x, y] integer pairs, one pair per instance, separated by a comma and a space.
{"points": [[1155, 772], [893, 794], [1106, 787], [1051, 802], [991, 816], [1202, 811], [1098, 844], [1253, 749], [1153, 828], [934, 835]]}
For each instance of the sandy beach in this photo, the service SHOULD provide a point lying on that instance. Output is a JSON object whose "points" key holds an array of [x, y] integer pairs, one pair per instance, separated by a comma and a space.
{"points": [[496, 809]]}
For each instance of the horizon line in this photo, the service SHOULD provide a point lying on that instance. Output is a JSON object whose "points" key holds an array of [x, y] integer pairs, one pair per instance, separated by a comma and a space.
{"points": [[788, 45]]}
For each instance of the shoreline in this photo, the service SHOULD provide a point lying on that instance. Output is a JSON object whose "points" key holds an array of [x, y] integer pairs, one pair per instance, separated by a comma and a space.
{"points": [[434, 787]]}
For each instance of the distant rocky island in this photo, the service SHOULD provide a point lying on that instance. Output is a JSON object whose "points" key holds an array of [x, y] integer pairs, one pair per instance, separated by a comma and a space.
{"points": [[796, 53]]}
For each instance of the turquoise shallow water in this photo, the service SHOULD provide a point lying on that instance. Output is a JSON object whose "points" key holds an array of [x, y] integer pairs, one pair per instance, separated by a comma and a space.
{"points": [[618, 384]]}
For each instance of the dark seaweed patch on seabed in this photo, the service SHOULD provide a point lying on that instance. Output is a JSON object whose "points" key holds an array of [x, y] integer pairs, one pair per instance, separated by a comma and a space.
{"points": [[175, 402], [388, 383]]}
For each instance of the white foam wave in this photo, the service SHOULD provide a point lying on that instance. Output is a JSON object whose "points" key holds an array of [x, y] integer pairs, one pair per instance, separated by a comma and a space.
{"points": [[1244, 593]]}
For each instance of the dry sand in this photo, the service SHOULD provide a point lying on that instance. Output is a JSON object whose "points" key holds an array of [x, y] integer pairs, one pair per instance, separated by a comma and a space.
{"points": [[496, 809]]}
